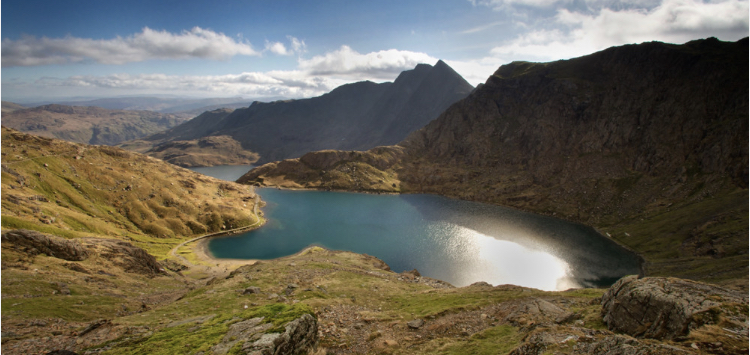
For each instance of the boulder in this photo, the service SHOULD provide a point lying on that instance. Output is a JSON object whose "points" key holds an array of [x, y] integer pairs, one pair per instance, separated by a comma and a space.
{"points": [[666, 308], [251, 290], [415, 324], [528, 311], [300, 337]]}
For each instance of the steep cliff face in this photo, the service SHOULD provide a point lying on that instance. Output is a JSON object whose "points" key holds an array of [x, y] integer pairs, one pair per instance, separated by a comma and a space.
{"points": [[648, 143], [602, 135], [354, 116]]}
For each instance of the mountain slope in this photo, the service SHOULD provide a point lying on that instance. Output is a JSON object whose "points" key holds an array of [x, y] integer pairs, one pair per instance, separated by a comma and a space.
{"points": [[90, 125], [353, 116], [624, 140], [206, 151], [77, 190]]}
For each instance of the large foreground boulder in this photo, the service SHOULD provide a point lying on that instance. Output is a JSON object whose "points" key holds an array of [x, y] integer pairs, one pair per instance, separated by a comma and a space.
{"points": [[667, 308]]}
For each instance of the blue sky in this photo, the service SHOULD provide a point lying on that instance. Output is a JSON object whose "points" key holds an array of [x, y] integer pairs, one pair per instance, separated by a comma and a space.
{"points": [[269, 49]]}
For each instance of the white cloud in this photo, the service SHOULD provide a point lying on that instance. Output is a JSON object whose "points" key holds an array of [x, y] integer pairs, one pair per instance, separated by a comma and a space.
{"points": [[346, 62], [298, 46], [313, 77], [252, 84], [146, 45], [673, 21], [277, 48], [500, 5]]}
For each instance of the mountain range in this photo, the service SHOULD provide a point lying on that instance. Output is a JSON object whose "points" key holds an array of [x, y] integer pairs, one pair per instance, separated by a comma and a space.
{"points": [[354, 116], [183, 107], [648, 143], [86, 124]]}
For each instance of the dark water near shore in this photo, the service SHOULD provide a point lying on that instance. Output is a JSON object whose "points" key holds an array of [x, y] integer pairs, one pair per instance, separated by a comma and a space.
{"points": [[460, 242]]}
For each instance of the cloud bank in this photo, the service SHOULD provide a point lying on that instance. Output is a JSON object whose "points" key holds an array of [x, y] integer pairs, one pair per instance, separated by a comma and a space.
{"points": [[313, 77], [346, 62], [573, 33], [146, 45]]}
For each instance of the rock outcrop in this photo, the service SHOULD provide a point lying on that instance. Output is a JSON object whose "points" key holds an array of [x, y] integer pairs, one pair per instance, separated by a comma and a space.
{"points": [[300, 336], [666, 308], [34, 243], [128, 256]]}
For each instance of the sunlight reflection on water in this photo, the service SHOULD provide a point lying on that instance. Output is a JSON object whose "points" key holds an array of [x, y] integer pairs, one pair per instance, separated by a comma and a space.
{"points": [[502, 262]]}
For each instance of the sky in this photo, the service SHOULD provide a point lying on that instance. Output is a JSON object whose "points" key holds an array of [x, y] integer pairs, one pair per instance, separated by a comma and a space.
{"points": [[256, 49]]}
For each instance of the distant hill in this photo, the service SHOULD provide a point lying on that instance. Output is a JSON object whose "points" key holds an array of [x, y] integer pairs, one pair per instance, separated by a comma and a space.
{"points": [[648, 143], [206, 151], [90, 125], [354, 116], [180, 106], [9, 107]]}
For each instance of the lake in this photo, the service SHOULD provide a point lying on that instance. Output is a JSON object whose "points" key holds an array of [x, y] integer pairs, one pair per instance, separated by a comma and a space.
{"points": [[460, 242]]}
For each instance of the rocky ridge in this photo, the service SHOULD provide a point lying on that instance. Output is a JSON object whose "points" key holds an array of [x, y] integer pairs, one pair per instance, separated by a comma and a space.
{"points": [[353, 116]]}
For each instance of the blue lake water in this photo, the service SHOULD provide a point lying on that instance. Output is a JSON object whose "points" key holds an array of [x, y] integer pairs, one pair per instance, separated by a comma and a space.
{"points": [[460, 242]]}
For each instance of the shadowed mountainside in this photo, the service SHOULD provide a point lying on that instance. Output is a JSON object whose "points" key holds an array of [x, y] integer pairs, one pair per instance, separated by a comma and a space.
{"points": [[353, 116], [90, 125], [648, 143]]}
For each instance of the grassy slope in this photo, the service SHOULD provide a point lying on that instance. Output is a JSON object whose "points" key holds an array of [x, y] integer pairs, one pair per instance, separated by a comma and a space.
{"points": [[73, 190], [81, 192]]}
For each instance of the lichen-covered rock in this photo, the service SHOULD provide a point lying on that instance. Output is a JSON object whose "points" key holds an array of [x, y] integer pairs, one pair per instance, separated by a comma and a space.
{"points": [[33, 243], [666, 308], [589, 341], [529, 311], [623, 345], [300, 336]]}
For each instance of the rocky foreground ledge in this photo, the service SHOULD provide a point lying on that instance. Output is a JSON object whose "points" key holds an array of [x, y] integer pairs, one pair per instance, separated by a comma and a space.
{"points": [[94, 297]]}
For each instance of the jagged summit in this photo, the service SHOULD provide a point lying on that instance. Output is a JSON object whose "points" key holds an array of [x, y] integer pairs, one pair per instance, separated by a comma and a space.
{"points": [[359, 115]]}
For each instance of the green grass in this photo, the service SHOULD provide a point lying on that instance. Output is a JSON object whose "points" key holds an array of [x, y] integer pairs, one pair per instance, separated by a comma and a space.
{"points": [[722, 220], [185, 339], [10, 222], [496, 340], [437, 302]]}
